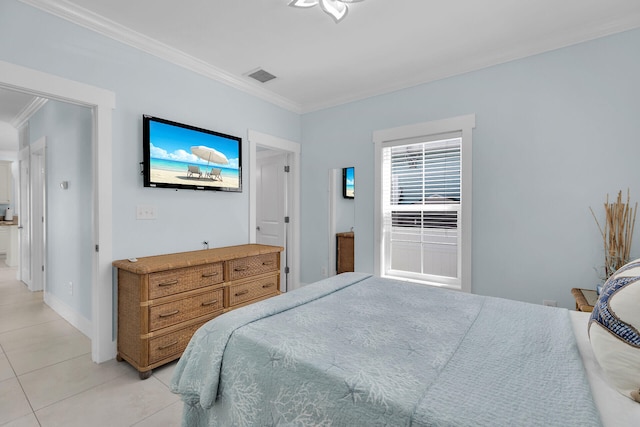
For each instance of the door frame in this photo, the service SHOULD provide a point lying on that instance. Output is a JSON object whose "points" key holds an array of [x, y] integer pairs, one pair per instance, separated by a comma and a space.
{"points": [[270, 142], [334, 179], [102, 102], [24, 207], [38, 202]]}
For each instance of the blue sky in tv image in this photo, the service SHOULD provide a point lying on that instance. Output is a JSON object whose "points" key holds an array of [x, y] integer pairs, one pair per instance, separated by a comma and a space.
{"points": [[350, 177], [170, 147]]}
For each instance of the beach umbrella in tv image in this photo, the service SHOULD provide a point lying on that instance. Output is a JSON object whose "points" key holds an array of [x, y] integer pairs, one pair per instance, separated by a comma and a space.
{"points": [[210, 155]]}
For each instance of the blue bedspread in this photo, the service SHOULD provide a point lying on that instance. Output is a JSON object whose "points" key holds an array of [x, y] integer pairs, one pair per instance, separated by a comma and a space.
{"points": [[355, 350]]}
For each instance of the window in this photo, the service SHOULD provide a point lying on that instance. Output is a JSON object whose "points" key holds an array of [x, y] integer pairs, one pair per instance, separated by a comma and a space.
{"points": [[423, 215]]}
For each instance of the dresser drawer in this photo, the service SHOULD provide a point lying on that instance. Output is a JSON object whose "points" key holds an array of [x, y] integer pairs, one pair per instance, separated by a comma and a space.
{"points": [[171, 282], [171, 344], [163, 315], [252, 289], [253, 265]]}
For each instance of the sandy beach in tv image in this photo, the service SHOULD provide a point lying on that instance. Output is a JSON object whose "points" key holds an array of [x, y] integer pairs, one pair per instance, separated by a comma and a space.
{"points": [[229, 177]]}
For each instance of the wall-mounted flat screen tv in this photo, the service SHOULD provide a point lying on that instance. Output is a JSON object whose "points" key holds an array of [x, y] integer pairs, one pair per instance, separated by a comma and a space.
{"points": [[348, 183], [181, 156]]}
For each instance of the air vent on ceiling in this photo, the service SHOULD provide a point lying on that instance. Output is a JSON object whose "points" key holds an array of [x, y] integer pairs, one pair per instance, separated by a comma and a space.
{"points": [[261, 75]]}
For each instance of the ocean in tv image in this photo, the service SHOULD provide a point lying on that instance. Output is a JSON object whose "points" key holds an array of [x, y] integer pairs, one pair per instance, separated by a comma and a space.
{"points": [[186, 156]]}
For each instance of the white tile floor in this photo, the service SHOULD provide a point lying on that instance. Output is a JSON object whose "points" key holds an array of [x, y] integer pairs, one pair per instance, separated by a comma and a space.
{"points": [[47, 377]]}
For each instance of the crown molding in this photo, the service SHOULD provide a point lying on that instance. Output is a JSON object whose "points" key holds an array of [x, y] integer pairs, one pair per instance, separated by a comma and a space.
{"points": [[87, 19], [29, 110]]}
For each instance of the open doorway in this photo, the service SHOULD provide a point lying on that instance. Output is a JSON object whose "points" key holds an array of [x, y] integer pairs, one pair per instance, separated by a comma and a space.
{"points": [[274, 207], [101, 103]]}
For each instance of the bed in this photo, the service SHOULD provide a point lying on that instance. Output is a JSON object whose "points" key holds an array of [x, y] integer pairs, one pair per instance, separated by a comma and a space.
{"points": [[356, 350]]}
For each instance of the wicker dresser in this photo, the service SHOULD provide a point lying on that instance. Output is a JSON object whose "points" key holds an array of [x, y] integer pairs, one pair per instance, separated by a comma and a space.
{"points": [[164, 299]]}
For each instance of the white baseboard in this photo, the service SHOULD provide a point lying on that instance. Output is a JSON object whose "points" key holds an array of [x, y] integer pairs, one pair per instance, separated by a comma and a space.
{"points": [[67, 313]]}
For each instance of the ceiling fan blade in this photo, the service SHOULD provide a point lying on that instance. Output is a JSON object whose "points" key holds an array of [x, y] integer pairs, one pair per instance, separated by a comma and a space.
{"points": [[336, 8], [303, 3]]}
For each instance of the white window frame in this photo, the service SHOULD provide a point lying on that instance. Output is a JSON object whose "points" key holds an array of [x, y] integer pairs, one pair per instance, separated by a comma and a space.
{"points": [[461, 125]]}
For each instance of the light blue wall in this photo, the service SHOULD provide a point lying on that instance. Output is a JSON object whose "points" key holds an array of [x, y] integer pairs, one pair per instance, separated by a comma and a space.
{"points": [[68, 131], [144, 84], [554, 134]]}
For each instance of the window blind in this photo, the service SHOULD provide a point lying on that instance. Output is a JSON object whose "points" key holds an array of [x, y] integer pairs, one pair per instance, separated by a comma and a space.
{"points": [[421, 208]]}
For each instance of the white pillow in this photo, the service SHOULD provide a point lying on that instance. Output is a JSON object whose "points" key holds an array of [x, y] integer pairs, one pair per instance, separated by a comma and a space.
{"points": [[614, 330]]}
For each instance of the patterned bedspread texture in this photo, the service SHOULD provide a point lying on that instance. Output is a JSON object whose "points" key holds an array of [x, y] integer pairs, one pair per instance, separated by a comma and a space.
{"points": [[357, 350]]}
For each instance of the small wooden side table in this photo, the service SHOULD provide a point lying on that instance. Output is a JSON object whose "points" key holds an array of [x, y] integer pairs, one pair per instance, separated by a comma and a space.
{"points": [[344, 252], [585, 299]]}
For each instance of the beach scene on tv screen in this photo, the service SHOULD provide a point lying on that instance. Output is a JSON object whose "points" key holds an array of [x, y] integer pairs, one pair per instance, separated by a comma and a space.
{"points": [[350, 184], [185, 156]]}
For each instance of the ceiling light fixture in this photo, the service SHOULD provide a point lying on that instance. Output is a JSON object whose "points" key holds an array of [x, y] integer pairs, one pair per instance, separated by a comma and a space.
{"points": [[337, 9]]}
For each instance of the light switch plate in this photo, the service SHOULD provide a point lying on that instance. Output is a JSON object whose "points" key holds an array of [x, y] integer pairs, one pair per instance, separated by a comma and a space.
{"points": [[146, 212]]}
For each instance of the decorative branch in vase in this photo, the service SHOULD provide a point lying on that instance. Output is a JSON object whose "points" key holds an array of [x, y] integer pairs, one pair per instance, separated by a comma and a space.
{"points": [[617, 232]]}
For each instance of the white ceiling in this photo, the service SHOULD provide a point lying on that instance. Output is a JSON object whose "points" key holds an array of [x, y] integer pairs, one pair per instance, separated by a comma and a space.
{"points": [[381, 46]]}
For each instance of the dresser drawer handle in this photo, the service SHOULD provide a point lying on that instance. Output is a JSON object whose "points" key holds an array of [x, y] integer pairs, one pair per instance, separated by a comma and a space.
{"points": [[175, 282], [204, 304], [240, 269], [267, 285], [173, 313], [210, 274], [171, 344], [268, 263], [246, 291]]}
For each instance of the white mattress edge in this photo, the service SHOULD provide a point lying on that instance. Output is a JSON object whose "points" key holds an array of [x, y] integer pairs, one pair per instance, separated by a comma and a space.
{"points": [[615, 409]]}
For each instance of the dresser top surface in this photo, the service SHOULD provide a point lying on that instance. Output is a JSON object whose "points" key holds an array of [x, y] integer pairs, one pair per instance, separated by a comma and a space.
{"points": [[347, 234], [156, 263]]}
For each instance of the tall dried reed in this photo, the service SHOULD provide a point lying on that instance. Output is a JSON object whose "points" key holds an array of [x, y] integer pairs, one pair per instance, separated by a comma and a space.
{"points": [[617, 232]]}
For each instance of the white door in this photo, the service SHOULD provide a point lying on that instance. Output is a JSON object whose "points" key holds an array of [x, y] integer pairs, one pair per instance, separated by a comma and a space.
{"points": [[38, 221], [271, 205], [24, 227]]}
